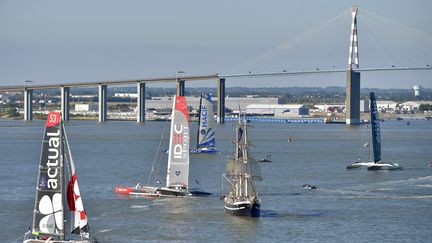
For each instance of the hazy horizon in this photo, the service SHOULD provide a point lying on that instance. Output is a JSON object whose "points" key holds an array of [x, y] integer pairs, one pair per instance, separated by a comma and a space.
{"points": [[58, 42]]}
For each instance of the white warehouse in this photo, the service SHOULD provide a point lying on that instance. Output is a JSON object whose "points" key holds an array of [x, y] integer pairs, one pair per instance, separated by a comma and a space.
{"points": [[286, 110]]}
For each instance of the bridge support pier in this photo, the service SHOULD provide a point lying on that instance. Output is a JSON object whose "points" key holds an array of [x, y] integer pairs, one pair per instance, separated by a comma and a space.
{"points": [[221, 101], [102, 103], [65, 94], [141, 102], [28, 105], [180, 87], [352, 114]]}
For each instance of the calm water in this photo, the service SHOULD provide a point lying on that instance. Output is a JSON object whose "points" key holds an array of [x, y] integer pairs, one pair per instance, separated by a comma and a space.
{"points": [[348, 206]]}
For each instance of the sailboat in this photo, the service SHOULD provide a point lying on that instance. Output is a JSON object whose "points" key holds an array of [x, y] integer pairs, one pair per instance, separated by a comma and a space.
{"points": [[177, 178], [241, 174], [376, 164], [57, 185], [206, 141]]}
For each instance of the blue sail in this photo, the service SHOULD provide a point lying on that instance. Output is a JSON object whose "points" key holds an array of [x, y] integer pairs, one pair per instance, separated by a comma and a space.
{"points": [[206, 132], [376, 133]]}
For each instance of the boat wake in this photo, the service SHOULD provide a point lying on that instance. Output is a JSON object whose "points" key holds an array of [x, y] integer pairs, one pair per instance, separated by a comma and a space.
{"points": [[105, 230], [139, 206]]}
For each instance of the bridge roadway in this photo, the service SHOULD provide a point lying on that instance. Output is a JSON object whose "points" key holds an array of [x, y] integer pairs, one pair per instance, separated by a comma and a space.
{"points": [[102, 85]]}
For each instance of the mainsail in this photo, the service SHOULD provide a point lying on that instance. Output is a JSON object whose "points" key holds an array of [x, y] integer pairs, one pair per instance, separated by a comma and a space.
{"points": [[55, 169], [206, 132], [376, 133], [48, 210], [178, 154], [76, 206]]}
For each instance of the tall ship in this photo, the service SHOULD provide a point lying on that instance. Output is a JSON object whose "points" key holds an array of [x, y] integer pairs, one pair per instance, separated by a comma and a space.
{"points": [[242, 172], [375, 136], [206, 141], [58, 214]]}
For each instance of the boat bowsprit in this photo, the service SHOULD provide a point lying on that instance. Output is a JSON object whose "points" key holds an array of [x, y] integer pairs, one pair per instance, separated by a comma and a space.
{"points": [[138, 190]]}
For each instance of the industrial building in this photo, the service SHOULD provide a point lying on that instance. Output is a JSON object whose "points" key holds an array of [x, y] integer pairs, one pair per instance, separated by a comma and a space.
{"points": [[286, 110], [86, 107], [231, 103]]}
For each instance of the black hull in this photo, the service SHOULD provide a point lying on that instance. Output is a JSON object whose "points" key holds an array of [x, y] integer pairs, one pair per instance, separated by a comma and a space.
{"points": [[172, 193], [243, 209]]}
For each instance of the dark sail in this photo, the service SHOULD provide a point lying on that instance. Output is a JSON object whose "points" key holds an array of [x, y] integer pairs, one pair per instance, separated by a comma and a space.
{"points": [[48, 210], [376, 133]]}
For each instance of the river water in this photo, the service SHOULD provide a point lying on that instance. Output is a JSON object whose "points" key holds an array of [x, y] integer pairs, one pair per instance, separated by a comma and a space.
{"points": [[348, 206]]}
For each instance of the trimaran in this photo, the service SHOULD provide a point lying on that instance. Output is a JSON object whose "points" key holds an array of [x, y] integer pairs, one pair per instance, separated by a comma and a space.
{"points": [[57, 185], [177, 178], [376, 164]]}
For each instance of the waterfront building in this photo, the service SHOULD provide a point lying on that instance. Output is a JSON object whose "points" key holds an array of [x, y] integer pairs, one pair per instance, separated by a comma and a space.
{"points": [[278, 110], [86, 107]]}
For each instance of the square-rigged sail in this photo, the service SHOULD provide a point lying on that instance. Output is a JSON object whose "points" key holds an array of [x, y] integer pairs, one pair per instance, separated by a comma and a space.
{"points": [[178, 154]]}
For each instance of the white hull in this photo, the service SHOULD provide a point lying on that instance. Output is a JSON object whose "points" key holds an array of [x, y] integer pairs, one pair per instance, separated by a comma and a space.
{"points": [[56, 241], [374, 166]]}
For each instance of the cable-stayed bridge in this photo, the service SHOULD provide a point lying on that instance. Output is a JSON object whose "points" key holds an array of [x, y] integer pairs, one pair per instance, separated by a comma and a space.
{"points": [[242, 70]]}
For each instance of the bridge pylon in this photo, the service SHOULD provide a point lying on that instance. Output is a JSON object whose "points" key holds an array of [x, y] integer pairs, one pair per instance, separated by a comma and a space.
{"points": [[352, 102]]}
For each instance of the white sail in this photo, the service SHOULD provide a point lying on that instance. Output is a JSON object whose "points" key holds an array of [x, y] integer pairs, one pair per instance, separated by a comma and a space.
{"points": [[178, 154], [76, 206], [206, 132]]}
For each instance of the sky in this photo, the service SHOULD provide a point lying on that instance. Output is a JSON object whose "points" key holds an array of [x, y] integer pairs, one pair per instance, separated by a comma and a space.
{"points": [[51, 41]]}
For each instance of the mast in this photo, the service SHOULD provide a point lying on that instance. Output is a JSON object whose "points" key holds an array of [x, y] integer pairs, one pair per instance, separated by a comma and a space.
{"points": [[199, 120], [62, 175], [369, 141]]}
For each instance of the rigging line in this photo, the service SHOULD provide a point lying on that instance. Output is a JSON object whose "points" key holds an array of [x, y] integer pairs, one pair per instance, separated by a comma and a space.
{"points": [[301, 38], [381, 46], [427, 36], [157, 152], [423, 43], [290, 43]]}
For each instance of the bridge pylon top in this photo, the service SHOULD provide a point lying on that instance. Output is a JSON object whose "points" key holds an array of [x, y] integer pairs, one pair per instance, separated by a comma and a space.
{"points": [[353, 59]]}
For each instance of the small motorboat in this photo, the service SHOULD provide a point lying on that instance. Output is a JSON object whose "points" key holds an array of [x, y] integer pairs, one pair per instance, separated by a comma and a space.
{"points": [[268, 159], [308, 186]]}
